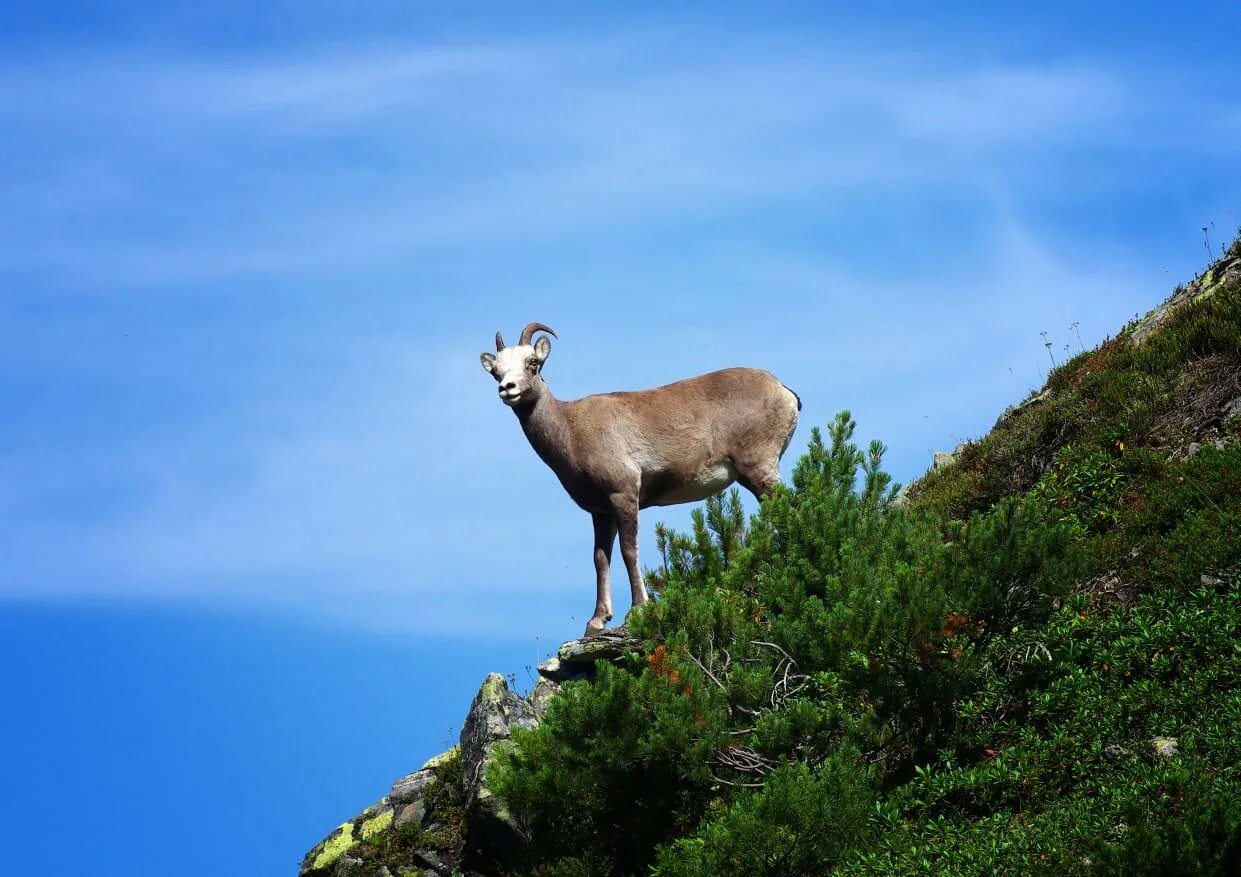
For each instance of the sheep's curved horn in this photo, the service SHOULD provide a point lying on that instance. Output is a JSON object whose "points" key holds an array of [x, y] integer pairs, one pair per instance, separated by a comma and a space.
{"points": [[528, 332], [499, 342]]}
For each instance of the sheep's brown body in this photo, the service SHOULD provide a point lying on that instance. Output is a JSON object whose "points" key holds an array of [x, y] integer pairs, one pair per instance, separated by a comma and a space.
{"points": [[616, 453]]}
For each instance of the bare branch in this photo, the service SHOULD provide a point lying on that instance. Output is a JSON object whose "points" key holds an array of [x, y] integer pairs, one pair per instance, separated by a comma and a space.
{"points": [[759, 642], [725, 782], [704, 669]]}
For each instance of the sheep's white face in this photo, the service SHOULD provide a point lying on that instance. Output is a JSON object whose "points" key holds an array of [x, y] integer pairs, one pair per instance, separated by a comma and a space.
{"points": [[516, 370]]}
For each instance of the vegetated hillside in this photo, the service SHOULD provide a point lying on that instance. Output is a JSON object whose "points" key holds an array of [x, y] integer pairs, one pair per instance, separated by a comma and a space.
{"points": [[1026, 663], [1029, 663]]}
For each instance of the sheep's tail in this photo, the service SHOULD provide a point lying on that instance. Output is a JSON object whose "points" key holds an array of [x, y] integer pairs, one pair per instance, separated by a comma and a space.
{"points": [[795, 396]]}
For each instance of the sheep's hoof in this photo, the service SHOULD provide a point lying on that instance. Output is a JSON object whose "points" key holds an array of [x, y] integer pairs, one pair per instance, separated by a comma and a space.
{"points": [[594, 627]]}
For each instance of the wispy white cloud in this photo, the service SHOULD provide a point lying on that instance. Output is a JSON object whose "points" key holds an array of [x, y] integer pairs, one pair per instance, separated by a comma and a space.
{"points": [[318, 88], [496, 142]]}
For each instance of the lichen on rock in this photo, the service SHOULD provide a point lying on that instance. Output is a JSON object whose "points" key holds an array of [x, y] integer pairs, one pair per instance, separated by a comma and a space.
{"points": [[370, 827], [607, 645], [329, 849]]}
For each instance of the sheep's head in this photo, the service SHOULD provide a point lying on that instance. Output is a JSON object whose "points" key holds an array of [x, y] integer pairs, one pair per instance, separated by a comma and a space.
{"points": [[517, 368]]}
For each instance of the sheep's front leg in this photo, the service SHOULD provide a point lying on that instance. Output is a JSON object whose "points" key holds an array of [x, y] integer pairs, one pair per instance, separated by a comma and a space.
{"points": [[605, 535], [625, 507]]}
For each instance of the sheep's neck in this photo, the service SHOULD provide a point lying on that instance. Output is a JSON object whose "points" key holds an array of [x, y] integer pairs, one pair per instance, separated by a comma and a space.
{"points": [[547, 430]]}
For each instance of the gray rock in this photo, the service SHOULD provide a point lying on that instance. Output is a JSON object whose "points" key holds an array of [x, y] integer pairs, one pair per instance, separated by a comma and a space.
{"points": [[1163, 748], [433, 861], [1114, 753], [1017, 409], [1232, 409], [348, 866], [607, 645], [552, 669], [492, 834], [435, 762], [496, 710], [543, 692], [944, 459], [415, 811], [1224, 272], [556, 670], [408, 794], [1150, 323], [411, 787]]}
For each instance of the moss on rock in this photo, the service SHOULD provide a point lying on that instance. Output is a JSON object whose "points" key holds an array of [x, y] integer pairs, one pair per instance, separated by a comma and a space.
{"points": [[335, 846], [376, 824], [435, 762]]}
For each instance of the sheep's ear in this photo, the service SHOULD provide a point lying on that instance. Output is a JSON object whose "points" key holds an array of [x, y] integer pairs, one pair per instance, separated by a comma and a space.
{"points": [[542, 348], [488, 360]]}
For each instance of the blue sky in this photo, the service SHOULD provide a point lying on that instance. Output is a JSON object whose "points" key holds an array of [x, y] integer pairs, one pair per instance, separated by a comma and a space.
{"points": [[256, 487]]}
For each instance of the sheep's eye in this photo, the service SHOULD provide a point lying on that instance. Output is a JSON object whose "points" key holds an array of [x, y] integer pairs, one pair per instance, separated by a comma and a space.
{"points": [[532, 365], [495, 374]]}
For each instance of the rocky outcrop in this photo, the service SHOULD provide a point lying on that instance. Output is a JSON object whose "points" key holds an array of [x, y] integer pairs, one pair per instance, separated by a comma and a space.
{"points": [[578, 656], [492, 835], [1021, 407], [442, 818], [409, 830], [1225, 272], [332, 855], [410, 796], [576, 659], [944, 459]]}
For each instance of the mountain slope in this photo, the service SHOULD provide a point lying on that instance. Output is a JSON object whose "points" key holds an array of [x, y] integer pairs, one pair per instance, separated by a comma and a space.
{"points": [[1025, 663]]}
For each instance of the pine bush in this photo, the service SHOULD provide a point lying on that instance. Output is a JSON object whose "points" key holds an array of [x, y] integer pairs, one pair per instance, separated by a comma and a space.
{"points": [[832, 631]]}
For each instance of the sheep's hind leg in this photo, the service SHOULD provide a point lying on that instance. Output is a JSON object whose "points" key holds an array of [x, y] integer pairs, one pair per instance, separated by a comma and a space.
{"points": [[605, 537], [625, 508], [758, 479]]}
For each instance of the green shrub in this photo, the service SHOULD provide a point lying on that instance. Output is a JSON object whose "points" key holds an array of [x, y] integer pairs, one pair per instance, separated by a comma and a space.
{"points": [[1193, 829], [1086, 490], [800, 822], [617, 767], [835, 623], [1051, 766]]}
